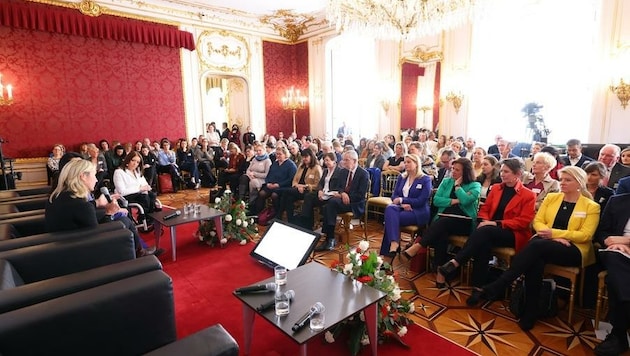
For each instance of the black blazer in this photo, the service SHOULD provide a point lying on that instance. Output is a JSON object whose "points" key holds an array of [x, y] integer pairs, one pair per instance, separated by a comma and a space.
{"points": [[602, 194], [618, 171], [335, 184], [614, 218], [583, 161]]}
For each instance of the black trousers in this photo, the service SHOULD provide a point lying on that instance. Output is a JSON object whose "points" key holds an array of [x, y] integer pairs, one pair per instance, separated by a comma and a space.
{"points": [[531, 261], [311, 201], [147, 201], [333, 207], [437, 235], [288, 197], [479, 246], [618, 267]]}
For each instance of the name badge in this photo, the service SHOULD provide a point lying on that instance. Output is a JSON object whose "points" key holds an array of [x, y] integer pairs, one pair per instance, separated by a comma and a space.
{"points": [[536, 190], [311, 176], [580, 214], [419, 186], [601, 200]]}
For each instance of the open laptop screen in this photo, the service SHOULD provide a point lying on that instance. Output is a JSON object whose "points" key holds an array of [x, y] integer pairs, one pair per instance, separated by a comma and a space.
{"points": [[285, 245]]}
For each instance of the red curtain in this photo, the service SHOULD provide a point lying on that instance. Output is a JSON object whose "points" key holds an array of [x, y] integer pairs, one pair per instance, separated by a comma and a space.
{"points": [[41, 17], [408, 95]]}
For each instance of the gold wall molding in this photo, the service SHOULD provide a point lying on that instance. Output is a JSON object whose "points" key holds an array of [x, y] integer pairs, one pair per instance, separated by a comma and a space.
{"points": [[289, 24], [223, 51], [423, 54]]}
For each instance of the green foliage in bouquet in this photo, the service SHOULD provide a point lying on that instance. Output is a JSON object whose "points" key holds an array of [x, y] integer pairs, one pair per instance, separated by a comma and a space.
{"points": [[236, 224]]}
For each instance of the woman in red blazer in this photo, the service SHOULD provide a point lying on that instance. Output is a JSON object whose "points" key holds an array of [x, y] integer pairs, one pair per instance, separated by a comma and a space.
{"points": [[504, 221]]}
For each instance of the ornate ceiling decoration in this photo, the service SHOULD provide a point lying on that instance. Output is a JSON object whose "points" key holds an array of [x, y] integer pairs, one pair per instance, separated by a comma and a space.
{"points": [[290, 25]]}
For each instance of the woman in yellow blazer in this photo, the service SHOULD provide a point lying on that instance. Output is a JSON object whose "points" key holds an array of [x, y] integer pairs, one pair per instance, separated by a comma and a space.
{"points": [[305, 180], [565, 225]]}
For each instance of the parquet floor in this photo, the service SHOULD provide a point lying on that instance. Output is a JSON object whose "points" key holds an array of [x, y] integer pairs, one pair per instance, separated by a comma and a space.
{"points": [[487, 330]]}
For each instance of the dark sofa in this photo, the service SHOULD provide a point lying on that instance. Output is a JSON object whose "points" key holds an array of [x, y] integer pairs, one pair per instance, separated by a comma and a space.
{"points": [[22, 226]]}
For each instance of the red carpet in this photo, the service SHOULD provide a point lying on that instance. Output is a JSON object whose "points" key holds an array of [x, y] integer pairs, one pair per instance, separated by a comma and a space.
{"points": [[204, 278]]}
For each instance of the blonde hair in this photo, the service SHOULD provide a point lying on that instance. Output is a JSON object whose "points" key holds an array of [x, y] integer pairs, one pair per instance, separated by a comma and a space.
{"points": [[550, 160], [418, 162], [70, 179], [580, 176]]}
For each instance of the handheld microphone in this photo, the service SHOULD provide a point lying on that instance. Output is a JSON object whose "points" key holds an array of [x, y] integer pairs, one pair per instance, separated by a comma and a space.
{"points": [[172, 215], [316, 308], [257, 288], [290, 294], [105, 192]]}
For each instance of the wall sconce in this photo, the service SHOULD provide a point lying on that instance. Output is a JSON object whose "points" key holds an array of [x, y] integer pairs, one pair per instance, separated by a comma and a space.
{"points": [[8, 98], [622, 91], [456, 100], [385, 104]]}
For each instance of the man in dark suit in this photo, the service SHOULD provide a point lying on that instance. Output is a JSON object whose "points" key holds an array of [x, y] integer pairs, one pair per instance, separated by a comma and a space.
{"points": [[623, 186], [609, 156], [610, 234], [350, 199], [446, 162], [574, 156], [494, 149], [505, 150]]}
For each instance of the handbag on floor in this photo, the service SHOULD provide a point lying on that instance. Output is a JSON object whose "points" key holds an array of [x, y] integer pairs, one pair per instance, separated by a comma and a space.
{"points": [[266, 215], [547, 301], [165, 183]]}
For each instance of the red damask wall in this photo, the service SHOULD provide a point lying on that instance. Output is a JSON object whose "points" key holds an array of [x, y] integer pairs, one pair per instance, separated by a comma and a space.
{"points": [[70, 89], [285, 66]]}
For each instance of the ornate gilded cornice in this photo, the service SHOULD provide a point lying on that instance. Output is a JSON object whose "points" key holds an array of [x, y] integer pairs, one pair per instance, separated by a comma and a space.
{"points": [[92, 8], [422, 54], [290, 25], [223, 51]]}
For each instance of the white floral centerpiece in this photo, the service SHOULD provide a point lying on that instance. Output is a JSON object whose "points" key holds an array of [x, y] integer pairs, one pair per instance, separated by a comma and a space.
{"points": [[237, 225], [367, 267]]}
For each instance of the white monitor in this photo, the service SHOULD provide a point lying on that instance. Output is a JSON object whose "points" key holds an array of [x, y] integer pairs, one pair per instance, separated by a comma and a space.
{"points": [[285, 244]]}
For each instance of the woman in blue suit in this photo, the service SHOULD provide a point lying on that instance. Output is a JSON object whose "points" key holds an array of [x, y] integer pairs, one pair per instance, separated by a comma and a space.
{"points": [[410, 204]]}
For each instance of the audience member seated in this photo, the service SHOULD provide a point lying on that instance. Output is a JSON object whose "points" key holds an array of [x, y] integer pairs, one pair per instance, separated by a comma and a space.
{"points": [[131, 184], [489, 176], [249, 137], [149, 164], [613, 234], [350, 199], [623, 186], [204, 156], [397, 161], [505, 221], [235, 135], [457, 200], [305, 180], [367, 151], [280, 175], [214, 138], [294, 153], [609, 156], [428, 164], [505, 150], [595, 173], [186, 162], [115, 159], [71, 205], [458, 148], [553, 173], [83, 150], [221, 154], [625, 157], [98, 160], [574, 156], [376, 159], [328, 185], [529, 161], [565, 225], [231, 174], [446, 160], [167, 163], [478, 153], [494, 149], [539, 181], [53, 160], [254, 177], [410, 205]]}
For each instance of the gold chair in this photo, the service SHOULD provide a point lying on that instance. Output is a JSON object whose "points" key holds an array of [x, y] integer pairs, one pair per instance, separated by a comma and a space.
{"points": [[570, 273], [388, 184], [602, 297], [346, 219]]}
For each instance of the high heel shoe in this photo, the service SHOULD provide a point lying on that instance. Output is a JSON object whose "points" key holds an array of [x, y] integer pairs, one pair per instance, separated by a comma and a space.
{"points": [[476, 295], [447, 268], [405, 257], [392, 255]]}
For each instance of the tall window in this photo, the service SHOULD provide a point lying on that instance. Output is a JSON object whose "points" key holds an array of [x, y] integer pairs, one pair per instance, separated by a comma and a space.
{"points": [[351, 82], [533, 51]]}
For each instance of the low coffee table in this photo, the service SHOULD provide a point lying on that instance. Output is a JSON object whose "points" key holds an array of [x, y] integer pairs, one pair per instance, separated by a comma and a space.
{"points": [[342, 297], [206, 213]]}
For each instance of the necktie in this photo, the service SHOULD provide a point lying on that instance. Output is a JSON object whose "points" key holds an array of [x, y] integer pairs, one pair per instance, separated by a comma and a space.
{"points": [[349, 183]]}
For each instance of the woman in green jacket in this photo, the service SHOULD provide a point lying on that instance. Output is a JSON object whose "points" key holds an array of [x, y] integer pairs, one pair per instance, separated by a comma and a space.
{"points": [[457, 200]]}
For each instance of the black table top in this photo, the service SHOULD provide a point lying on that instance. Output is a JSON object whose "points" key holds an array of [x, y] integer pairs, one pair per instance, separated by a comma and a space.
{"points": [[341, 295], [206, 213]]}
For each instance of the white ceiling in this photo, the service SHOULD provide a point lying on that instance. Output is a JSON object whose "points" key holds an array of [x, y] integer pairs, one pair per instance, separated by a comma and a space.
{"points": [[260, 7]]}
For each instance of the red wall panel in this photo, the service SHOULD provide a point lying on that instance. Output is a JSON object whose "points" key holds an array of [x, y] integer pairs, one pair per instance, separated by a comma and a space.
{"points": [[285, 66], [70, 89]]}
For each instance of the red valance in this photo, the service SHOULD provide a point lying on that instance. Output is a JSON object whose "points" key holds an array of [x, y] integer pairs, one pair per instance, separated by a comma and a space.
{"points": [[42, 17]]}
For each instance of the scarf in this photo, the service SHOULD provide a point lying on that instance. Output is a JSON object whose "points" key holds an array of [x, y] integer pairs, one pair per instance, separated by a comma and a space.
{"points": [[262, 157]]}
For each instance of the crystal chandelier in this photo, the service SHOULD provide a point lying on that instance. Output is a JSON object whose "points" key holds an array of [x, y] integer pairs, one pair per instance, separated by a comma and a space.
{"points": [[400, 19]]}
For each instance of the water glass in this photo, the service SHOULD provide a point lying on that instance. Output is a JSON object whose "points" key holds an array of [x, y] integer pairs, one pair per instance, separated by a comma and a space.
{"points": [[280, 275], [282, 303], [186, 209], [317, 321]]}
